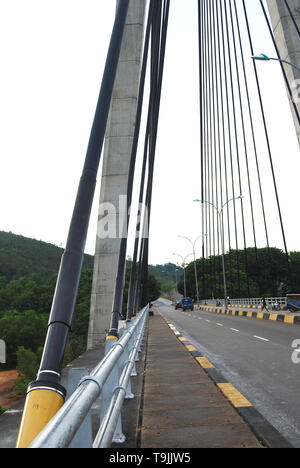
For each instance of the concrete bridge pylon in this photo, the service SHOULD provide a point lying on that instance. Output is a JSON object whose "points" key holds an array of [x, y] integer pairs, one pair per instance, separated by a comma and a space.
{"points": [[116, 159], [288, 43]]}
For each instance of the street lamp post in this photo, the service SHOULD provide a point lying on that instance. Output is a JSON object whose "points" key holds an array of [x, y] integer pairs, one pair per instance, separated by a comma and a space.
{"points": [[265, 58], [220, 215], [195, 266], [183, 266], [176, 280]]}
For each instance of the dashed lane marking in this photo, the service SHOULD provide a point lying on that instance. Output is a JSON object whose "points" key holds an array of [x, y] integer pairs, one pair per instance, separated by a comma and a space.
{"points": [[260, 338]]}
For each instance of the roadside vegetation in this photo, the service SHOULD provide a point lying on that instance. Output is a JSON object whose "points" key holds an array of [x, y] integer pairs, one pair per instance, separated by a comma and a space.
{"points": [[251, 273], [26, 293]]}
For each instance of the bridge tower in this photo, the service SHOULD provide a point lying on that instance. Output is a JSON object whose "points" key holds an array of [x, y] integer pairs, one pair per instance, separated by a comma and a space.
{"points": [[287, 40], [116, 159]]}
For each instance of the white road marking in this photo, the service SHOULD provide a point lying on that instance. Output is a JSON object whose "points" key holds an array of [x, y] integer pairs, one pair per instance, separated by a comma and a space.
{"points": [[220, 324], [207, 320], [234, 329], [13, 411], [260, 338]]}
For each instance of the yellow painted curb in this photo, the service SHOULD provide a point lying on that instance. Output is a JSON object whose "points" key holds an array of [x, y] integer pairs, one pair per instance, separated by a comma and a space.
{"points": [[289, 319], [205, 363], [190, 348], [273, 317], [233, 395]]}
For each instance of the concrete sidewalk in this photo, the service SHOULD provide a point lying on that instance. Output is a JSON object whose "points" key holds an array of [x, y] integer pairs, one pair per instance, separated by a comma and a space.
{"points": [[185, 406]]}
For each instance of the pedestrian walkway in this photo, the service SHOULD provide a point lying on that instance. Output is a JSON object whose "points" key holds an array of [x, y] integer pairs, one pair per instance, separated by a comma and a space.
{"points": [[182, 406]]}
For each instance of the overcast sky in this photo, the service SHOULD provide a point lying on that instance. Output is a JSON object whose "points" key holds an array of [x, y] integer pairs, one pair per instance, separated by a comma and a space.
{"points": [[52, 59]]}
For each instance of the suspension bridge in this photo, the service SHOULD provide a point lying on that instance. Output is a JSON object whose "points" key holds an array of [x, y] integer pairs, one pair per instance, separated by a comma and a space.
{"points": [[155, 374]]}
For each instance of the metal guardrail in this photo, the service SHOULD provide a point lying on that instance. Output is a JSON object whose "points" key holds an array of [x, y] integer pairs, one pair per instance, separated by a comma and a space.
{"points": [[281, 301], [270, 301], [105, 379]]}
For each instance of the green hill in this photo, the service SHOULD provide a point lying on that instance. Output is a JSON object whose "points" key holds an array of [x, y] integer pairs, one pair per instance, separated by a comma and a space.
{"points": [[22, 256], [166, 275]]}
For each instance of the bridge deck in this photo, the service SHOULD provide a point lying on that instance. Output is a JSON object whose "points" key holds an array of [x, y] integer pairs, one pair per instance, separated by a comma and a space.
{"points": [[178, 404], [182, 406]]}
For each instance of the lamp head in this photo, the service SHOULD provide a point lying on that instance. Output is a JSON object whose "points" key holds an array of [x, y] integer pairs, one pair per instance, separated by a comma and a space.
{"points": [[260, 57]]}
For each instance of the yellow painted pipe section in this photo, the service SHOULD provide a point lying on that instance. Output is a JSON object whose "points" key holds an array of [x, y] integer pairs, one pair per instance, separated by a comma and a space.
{"points": [[40, 407], [112, 337]]}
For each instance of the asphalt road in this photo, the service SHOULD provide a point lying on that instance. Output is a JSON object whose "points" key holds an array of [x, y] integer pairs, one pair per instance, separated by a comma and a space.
{"points": [[255, 356]]}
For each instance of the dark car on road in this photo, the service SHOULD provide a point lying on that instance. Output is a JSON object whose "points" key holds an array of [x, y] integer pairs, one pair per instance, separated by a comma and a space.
{"points": [[184, 304], [187, 303]]}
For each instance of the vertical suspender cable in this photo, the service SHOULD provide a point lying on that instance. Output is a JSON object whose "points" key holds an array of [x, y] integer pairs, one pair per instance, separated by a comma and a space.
{"points": [[132, 282], [213, 153], [230, 145], [236, 146], [200, 51], [222, 77], [268, 143], [244, 142], [205, 140], [158, 56], [254, 147], [156, 111], [155, 50], [209, 152], [218, 147]]}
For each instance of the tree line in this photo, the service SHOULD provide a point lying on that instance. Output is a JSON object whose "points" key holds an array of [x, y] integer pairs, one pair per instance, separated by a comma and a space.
{"points": [[249, 273], [25, 305]]}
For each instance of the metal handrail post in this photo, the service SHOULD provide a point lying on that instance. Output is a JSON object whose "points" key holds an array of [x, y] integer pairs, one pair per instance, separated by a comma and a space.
{"points": [[107, 390], [135, 338], [105, 435], [134, 372]]}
